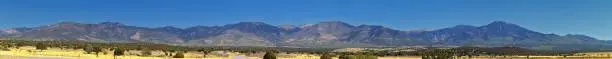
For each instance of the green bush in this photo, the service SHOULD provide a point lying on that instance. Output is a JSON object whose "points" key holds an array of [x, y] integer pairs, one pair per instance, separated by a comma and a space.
{"points": [[438, 54], [270, 55], [358, 57], [41, 46], [326, 56], [4, 49], [118, 52], [365, 57], [97, 50], [345, 57], [178, 55], [88, 49]]}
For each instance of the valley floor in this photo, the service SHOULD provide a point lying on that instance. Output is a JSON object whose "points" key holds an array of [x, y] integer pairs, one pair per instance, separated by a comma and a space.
{"points": [[55, 53]]}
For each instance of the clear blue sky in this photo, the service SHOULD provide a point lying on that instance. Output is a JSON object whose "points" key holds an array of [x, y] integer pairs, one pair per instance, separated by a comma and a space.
{"points": [[589, 17]]}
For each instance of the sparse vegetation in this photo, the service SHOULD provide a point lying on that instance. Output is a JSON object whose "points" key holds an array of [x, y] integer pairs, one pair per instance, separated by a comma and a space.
{"points": [[145, 52], [345, 57], [270, 55], [326, 56], [179, 55], [41, 46], [120, 50], [438, 54], [4, 49]]}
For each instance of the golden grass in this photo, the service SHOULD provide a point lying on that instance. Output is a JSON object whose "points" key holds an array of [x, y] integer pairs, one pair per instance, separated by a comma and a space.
{"points": [[29, 52]]}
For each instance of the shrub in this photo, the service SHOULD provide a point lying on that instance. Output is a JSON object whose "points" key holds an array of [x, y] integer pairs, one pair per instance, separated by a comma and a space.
{"points": [[326, 56], [358, 57], [178, 55], [146, 52], [97, 50], [41, 46], [118, 52], [88, 50], [346, 57], [438, 54], [365, 57], [204, 51], [4, 49], [269, 55]]}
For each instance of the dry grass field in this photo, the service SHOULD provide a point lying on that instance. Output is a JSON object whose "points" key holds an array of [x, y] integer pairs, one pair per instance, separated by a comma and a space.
{"points": [[29, 52]]}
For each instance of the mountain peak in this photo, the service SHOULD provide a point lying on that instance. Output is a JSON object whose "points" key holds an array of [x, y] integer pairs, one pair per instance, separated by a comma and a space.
{"points": [[169, 27], [251, 23], [248, 25], [334, 23], [287, 26], [499, 22], [67, 22], [502, 25], [465, 26], [252, 27], [110, 23], [370, 26]]}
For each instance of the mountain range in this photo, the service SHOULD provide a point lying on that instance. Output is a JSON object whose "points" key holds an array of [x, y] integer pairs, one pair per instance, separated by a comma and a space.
{"points": [[323, 34]]}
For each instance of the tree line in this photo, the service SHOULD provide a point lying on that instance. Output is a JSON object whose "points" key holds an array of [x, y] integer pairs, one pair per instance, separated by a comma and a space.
{"points": [[178, 51]]}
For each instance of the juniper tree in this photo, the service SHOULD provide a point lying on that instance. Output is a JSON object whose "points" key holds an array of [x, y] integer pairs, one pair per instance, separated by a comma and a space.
{"points": [[41, 46], [179, 55], [326, 56], [117, 52], [269, 55]]}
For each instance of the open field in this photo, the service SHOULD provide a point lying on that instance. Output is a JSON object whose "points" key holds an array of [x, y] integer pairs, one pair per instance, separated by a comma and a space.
{"points": [[29, 52], [56, 53]]}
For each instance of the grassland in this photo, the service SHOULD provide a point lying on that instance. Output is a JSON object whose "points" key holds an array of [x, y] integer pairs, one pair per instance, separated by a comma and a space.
{"points": [[29, 52]]}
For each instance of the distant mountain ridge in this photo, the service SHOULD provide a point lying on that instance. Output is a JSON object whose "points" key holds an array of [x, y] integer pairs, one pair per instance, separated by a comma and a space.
{"points": [[323, 34]]}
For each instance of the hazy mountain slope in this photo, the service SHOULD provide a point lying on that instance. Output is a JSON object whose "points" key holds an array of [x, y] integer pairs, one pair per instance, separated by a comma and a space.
{"points": [[240, 34], [499, 33], [380, 35], [321, 33], [103, 32]]}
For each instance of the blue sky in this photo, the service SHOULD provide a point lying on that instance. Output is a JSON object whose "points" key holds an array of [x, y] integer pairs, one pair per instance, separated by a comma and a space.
{"points": [[589, 17]]}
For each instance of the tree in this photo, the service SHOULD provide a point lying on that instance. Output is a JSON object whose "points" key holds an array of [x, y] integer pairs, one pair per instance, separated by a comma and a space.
{"points": [[166, 53], [179, 55], [172, 51], [204, 51], [326, 56], [346, 57], [365, 57], [41, 46], [88, 49], [117, 52], [4, 49], [97, 50], [438, 54], [269, 55]]}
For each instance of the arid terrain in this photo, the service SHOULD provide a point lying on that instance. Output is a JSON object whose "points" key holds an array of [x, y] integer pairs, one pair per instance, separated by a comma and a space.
{"points": [[29, 52]]}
